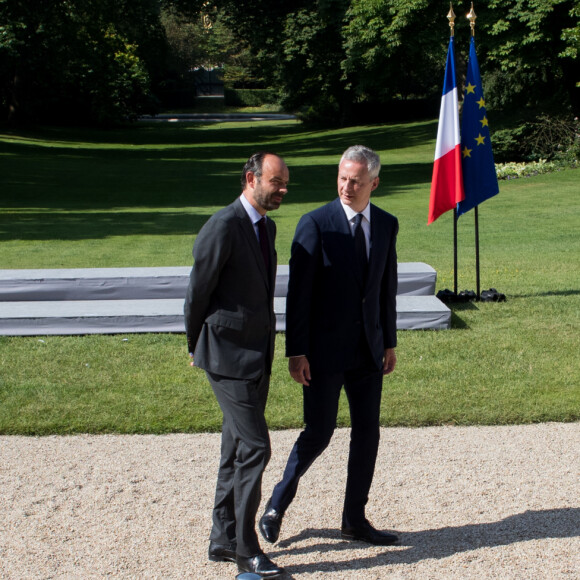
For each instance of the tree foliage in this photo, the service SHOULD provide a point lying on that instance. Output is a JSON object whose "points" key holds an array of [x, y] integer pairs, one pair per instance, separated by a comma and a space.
{"points": [[102, 60], [530, 54], [204, 40], [394, 48], [310, 73], [329, 56], [68, 60], [527, 48]]}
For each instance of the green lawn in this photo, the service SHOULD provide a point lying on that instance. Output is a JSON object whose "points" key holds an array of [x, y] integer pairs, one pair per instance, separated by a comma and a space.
{"points": [[138, 196]]}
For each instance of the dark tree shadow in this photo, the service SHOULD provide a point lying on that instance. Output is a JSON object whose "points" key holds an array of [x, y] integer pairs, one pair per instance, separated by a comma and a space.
{"points": [[549, 294], [35, 225], [437, 543]]}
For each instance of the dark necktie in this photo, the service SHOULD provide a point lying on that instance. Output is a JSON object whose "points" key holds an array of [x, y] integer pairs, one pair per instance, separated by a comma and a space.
{"points": [[360, 246], [264, 246]]}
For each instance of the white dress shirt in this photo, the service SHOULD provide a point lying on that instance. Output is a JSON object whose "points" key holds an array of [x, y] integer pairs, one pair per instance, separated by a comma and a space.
{"points": [[253, 213]]}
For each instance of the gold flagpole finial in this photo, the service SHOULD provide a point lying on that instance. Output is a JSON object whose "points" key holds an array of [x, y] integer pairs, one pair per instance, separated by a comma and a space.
{"points": [[471, 17], [205, 18], [451, 18]]}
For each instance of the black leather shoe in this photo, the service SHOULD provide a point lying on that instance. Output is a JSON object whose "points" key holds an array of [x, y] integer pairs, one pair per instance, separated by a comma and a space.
{"points": [[270, 523], [366, 533], [222, 552], [259, 564]]}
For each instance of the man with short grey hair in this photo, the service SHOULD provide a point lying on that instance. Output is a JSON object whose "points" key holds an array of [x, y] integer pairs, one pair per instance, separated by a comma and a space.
{"points": [[341, 332]]}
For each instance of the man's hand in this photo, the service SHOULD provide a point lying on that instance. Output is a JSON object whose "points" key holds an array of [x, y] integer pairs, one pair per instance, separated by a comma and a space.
{"points": [[191, 363], [299, 368], [390, 361]]}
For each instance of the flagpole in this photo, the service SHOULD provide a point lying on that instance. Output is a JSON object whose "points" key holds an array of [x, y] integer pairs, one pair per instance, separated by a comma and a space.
{"points": [[471, 16], [447, 189], [455, 216], [477, 278], [451, 18]]}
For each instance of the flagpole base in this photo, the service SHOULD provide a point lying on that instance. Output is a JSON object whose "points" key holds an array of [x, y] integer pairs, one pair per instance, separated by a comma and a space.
{"points": [[449, 297], [492, 295]]}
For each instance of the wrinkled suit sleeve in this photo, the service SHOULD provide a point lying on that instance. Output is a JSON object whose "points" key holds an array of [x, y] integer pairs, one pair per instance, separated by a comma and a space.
{"points": [[304, 261], [388, 294]]}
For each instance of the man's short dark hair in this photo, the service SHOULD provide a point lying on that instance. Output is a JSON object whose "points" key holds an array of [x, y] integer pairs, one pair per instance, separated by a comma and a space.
{"points": [[254, 164]]}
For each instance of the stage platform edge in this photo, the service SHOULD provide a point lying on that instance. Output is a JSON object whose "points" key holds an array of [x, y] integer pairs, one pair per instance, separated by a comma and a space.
{"points": [[140, 300], [166, 315], [415, 279]]}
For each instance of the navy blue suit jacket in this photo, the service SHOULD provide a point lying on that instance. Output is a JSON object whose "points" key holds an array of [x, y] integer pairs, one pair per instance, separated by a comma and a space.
{"points": [[328, 304]]}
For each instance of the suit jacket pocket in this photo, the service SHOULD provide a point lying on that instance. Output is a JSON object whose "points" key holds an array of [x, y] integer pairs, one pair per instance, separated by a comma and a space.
{"points": [[232, 320]]}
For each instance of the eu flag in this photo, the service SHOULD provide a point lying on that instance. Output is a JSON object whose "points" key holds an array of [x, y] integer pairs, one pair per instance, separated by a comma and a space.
{"points": [[479, 177]]}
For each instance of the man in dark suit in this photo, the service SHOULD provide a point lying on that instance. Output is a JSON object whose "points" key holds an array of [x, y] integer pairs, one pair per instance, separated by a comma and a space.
{"points": [[341, 331], [230, 326]]}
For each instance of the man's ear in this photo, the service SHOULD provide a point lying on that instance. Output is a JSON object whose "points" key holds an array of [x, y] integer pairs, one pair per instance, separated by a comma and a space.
{"points": [[251, 179], [375, 183]]}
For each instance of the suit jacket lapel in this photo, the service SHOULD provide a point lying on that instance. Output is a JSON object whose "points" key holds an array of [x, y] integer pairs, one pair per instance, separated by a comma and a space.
{"points": [[338, 219], [378, 238], [341, 225], [271, 228]]}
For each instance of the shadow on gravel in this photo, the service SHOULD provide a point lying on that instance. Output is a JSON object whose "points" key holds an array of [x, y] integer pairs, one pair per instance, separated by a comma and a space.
{"points": [[428, 544]]}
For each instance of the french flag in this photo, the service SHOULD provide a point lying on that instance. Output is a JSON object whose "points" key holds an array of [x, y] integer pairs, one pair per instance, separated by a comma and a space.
{"points": [[447, 180]]}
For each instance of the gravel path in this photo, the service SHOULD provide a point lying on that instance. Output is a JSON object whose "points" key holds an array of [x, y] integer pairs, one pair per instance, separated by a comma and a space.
{"points": [[469, 502]]}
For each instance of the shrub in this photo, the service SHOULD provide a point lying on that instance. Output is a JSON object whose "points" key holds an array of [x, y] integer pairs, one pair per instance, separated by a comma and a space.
{"points": [[547, 137], [250, 97], [515, 170]]}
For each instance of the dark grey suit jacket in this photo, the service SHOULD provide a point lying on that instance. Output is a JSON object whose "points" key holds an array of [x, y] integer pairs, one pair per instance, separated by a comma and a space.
{"points": [[328, 306], [229, 313]]}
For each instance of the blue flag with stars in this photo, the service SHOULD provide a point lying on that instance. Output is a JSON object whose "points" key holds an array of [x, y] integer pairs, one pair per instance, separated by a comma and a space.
{"points": [[479, 177]]}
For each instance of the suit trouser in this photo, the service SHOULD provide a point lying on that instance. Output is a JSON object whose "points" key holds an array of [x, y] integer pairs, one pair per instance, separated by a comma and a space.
{"points": [[245, 452], [363, 387]]}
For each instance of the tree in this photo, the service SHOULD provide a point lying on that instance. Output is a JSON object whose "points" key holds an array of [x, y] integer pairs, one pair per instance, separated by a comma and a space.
{"points": [[204, 40], [531, 49], [309, 70], [76, 60], [395, 49], [528, 48], [99, 59]]}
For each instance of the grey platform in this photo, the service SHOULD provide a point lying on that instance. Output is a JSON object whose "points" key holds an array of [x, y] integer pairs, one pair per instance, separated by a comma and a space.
{"points": [[129, 300], [415, 279]]}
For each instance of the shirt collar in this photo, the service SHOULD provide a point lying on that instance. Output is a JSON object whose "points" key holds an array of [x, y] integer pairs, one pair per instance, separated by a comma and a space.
{"points": [[252, 212], [350, 213]]}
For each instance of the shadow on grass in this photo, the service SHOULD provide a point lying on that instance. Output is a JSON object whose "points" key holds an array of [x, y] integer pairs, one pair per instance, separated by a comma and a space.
{"points": [[290, 138], [456, 309], [110, 180], [67, 226], [433, 544], [168, 166], [553, 293], [93, 200]]}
